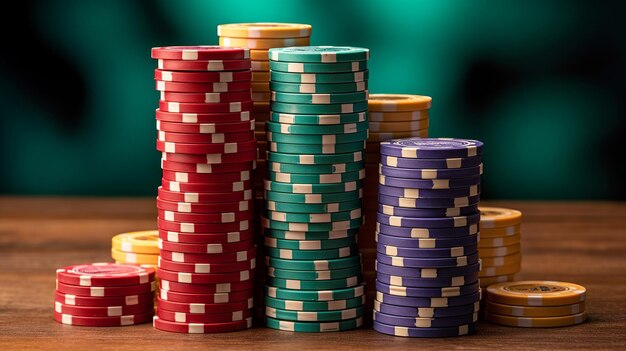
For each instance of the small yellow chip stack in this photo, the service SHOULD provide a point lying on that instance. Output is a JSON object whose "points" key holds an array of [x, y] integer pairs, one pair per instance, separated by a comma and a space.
{"points": [[499, 247], [136, 247]]}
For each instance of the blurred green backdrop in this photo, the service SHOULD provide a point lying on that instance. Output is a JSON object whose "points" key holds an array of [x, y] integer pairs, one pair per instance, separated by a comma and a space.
{"points": [[540, 82]]}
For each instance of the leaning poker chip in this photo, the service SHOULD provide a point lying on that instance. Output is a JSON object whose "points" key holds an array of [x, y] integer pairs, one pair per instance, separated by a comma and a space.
{"points": [[424, 233], [210, 163], [182, 317], [442, 282], [314, 275], [313, 208], [312, 159], [416, 272], [536, 322], [187, 227], [106, 275], [409, 252], [500, 241], [216, 138], [202, 117], [205, 128], [207, 98], [313, 327], [345, 128], [432, 163], [312, 227], [500, 231], [131, 257], [200, 328], [394, 200], [313, 109], [343, 118], [327, 254], [314, 316], [224, 217], [188, 207], [191, 107], [323, 149], [428, 183], [322, 88], [103, 321], [313, 217], [192, 177], [311, 188], [264, 30], [312, 67], [201, 52], [218, 87], [426, 312], [427, 212], [204, 278], [429, 302], [263, 43], [495, 217], [104, 302], [226, 257], [309, 244], [313, 265], [424, 332], [526, 311], [321, 99], [420, 322], [220, 148], [194, 197], [442, 222], [406, 116], [431, 148], [204, 65], [314, 306], [386, 127], [536, 293], [424, 194], [204, 308], [320, 169], [324, 198], [499, 251], [206, 248], [319, 54], [399, 102], [107, 311], [431, 173], [202, 77], [425, 263], [210, 289], [427, 292], [144, 242], [206, 187], [207, 268], [106, 291], [315, 295]]}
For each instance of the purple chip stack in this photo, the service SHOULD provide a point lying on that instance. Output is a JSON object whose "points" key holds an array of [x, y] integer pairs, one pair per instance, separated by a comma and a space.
{"points": [[427, 235]]}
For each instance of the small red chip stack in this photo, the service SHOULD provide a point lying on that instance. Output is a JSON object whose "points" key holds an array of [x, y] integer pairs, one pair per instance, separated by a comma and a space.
{"points": [[205, 202], [104, 294]]}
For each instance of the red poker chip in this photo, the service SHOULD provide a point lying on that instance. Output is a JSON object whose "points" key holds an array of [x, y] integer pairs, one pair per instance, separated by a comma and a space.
{"points": [[182, 317], [87, 301], [226, 257], [103, 321], [207, 268], [203, 167], [217, 138], [207, 98], [186, 207], [201, 107], [222, 148], [106, 274], [108, 311], [202, 87], [193, 197], [191, 177], [203, 227], [207, 187], [220, 238], [202, 77], [206, 248], [208, 289], [244, 157], [199, 52], [199, 278], [202, 308], [105, 291], [200, 218], [200, 328], [204, 65], [205, 128], [216, 298], [194, 118]]}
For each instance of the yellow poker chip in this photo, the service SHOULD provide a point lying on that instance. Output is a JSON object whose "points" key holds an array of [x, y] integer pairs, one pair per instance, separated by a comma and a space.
{"points": [[398, 126], [260, 87], [263, 43], [261, 76], [402, 116], [536, 293], [510, 268], [486, 281], [264, 30], [144, 242], [536, 322], [260, 66], [261, 106], [495, 217], [259, 55], [501, 231], [127, 257], [501, 260], [526, 311], [380, 136], [499, 251], [260, 96], [499, 241], [398, 102]]}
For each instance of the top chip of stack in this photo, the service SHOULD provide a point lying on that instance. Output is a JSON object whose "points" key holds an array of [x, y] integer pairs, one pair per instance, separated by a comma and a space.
{"points": [[500, 244], [316, 138], [427, 224], [136, 247], [206, 241]]}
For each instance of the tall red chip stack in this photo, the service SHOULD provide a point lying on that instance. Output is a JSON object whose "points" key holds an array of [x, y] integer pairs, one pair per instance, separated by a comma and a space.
{"points": [[205, 203]]}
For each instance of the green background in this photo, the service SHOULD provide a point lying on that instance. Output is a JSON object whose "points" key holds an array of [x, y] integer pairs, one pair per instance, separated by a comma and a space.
{"points": [[540, 82]]}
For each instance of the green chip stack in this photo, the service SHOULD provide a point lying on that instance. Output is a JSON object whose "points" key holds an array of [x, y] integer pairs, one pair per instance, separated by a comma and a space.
{"points": [[316, 136]]}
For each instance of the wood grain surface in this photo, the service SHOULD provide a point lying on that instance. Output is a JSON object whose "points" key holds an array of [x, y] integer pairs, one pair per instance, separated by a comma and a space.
{"points": [[581, 242]]}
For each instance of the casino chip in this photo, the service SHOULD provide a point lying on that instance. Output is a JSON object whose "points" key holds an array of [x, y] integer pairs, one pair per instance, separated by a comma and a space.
{"points": [[136, 247], [104, 294], [427, 261], [205, 243]]}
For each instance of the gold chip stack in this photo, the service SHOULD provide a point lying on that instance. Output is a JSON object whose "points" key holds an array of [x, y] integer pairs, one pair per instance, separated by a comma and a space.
{"points": [[499, 247]]}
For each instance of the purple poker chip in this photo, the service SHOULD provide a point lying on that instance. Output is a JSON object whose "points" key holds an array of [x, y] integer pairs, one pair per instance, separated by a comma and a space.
{"points": [[391, 250], [436, 163], [427, 212], [427, 243], [427, 301], [429, 193], [428, 183], [426, 312], [427, 282], [426, 203], [425, 233], [431, 148], [436, 263], [441, 222], [427, 292], [465, 329], [440, 322], [430, 173], [412, 272]]}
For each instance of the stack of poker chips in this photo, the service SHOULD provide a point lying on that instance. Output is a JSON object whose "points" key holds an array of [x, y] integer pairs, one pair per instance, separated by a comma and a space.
{"points": [[391, 116], [104, 294], [535, 304], [136, 247], [427, 262], [205, 207], [500, 244], [315, 139]]}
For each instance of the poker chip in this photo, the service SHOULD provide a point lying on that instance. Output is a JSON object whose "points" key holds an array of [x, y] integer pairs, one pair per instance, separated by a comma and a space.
{"points": [[315, 295], [431, 148], [500, 244], [427, 312], [314, 316], [194, 53], [313, 265], [323, 88], [536, 293], [313, 327], [423, 332], [103, 302], [200, 328], [104, 311], [182, 317], [202, 77], [203, 65], [142, 242], [263, 43], [293, 305], [313, 208], [318, 120], [207, 98], [320, 54], [264, 30], [244, 286], [201, 308], [312, 67], [112, 321], [106, 275]]}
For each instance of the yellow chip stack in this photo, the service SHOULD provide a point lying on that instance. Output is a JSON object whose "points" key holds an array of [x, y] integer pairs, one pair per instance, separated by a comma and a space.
{"points": [[499, 247], [391, 116], [136, 247]]}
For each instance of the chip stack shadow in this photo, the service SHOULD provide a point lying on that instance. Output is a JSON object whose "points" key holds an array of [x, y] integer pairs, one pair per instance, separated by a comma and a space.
{"points": [[316, 136], [205, 203]]}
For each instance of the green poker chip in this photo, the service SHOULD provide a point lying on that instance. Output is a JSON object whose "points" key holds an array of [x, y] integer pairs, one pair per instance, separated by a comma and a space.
{"points": [[313, 327], [319, 120], [312, 67], [346, 128], [312, 109], [295, 284], [312, 188], [319, 99], [316, 316], [313, 217], [313, 198], [314, 275], [312, 159], [316, 178], [289, 235], [321, 149], [310, 244], [317, 139], [317, 78], [337, 168], [303, 295], [319, 54], [313, 208], [330, 88], [294, 305], [328, 254], [313, 265]]}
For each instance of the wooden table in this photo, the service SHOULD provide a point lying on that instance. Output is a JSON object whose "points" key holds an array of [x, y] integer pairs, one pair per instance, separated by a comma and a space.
{"points": [[579, 242]]}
